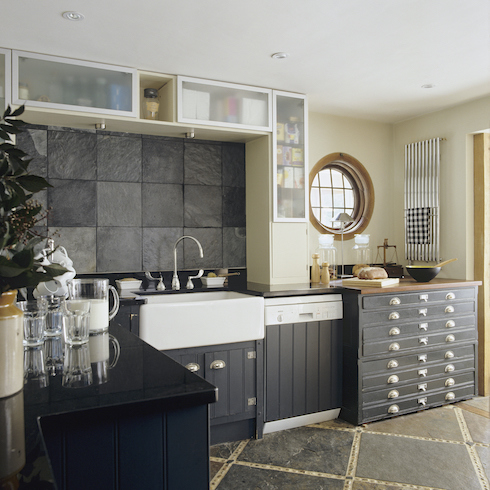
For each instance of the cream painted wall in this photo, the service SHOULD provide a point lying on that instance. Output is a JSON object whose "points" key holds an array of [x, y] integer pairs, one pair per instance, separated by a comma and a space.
{"points": [[456, 124], [372, 144]]}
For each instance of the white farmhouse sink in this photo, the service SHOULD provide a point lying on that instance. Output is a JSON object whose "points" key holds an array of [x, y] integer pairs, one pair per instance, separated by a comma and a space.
{"points": [[175, 321]]}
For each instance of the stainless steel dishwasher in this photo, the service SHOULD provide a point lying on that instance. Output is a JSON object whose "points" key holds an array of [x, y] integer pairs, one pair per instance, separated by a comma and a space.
{"points": [[303, 360]]}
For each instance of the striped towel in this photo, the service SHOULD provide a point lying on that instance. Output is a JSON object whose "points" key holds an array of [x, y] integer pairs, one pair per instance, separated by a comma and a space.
{"points": [[418, 226]]}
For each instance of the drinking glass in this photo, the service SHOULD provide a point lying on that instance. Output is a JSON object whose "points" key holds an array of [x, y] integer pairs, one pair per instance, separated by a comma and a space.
{"points": [[76, 321], [34, 321], [54, 316], [77, 371]]}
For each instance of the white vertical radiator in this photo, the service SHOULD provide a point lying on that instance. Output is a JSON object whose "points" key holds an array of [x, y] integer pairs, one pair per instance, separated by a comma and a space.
{"points": [[422, 168]]}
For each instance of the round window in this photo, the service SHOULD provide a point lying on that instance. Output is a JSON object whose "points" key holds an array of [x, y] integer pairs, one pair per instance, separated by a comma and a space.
{"points": [[340, 184]]}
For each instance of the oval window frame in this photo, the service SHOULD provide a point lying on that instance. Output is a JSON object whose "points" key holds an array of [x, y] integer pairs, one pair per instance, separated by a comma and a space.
{"points": [[363, 191]]}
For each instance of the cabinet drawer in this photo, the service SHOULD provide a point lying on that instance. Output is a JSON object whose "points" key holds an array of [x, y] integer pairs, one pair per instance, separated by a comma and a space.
{"points": [[418, 389], [392, 408], [388, 365], [420, 341], [397, 378], [418, 313], [416, 328], [376, 301]]}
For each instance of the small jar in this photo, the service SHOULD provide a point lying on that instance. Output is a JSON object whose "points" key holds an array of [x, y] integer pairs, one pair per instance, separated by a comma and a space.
{"points": [[362, 250], [151, 103]]}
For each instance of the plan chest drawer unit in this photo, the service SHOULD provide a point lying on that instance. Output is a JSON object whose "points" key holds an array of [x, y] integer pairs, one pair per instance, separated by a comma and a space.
{"points": [[406, 350]]}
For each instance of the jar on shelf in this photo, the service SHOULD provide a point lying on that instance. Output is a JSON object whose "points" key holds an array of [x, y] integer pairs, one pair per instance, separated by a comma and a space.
{"points": [[361, 249], [328, 254], [151, 103]]}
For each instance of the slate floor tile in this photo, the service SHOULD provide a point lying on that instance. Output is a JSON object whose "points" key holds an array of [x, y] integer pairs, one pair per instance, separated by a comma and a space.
{"points": [[415, 461], [478, 426], [244, 478], [437, 423], [304, 448]]}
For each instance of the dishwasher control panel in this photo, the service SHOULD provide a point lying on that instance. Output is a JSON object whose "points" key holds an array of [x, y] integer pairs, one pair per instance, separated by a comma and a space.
{"points": [[302, 310]]}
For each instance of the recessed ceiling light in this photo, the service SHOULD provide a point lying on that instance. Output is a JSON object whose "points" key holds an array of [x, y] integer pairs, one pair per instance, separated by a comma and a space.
{"points": [[428, 85], [280, 56], [73, 15]]}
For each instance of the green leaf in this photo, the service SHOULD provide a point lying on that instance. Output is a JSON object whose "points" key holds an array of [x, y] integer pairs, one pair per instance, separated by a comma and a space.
{"points": [[18, 111], [9, 268], [10, 129], [24, 258], [4, 135], [33, 183]]}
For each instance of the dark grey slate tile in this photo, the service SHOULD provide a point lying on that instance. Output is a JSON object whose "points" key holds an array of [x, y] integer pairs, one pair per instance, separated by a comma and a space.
{"points": [[41, 198], [224, 450], [119, 249], [234, 247], [158, 246], [35, 143], [80, 244], [202, 164], [478, 426], [119, 158], [163, 160], [437, 423], [202, 206], [118, 204], [233, 164], [234, 206], [415, 462], [162, 205], [305, 448], [211, 240], [73, 203], [246, 478], [72, 155], [484, 455]]}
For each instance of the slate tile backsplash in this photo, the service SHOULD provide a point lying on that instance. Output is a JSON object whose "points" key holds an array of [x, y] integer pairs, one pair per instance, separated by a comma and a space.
{"points": [[120, 201]]}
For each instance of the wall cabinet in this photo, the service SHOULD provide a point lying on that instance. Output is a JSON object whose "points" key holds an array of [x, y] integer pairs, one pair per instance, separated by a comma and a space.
{"points": [[223, 104], [5, 78], [407, 351], [290, 168], [128, 317], [302, 368], [236, 370], [53, 83]]}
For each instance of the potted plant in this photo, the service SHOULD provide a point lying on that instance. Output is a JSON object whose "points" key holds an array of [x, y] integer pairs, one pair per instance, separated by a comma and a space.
{"points": [[21, 265]]}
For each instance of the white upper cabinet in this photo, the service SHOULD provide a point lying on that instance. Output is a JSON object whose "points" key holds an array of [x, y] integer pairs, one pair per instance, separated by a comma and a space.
{"points": [[5, 72], [290, 159], [223, 104], [60, 83]]}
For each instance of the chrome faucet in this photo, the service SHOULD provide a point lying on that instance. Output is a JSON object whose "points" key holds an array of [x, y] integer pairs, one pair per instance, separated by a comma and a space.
{"points": [[175, 278]]}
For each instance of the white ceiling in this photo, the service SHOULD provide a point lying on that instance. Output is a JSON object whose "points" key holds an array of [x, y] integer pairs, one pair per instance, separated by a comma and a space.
{"points": [[357, 58]]}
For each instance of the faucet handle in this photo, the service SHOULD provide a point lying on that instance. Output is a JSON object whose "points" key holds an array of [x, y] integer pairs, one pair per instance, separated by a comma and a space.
{"points": [[190, 284]]}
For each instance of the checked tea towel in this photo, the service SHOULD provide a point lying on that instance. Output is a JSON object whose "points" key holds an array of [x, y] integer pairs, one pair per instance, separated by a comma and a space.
{"points": [[418, 225]]}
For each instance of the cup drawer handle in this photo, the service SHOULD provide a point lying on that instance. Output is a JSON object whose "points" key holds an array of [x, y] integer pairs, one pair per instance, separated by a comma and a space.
{"points": [[450, 296], [392, 364], [394, 315], [395, 331], [449, 309], [395, 301], [193, 367], [218, 364], [394, 409]]}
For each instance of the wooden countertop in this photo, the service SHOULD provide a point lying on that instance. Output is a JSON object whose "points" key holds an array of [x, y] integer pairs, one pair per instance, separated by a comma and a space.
{"points": [[412, 285]]}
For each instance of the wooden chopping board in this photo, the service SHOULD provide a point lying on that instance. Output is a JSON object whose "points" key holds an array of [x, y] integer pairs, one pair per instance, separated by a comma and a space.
{"points": [[373, 283]]}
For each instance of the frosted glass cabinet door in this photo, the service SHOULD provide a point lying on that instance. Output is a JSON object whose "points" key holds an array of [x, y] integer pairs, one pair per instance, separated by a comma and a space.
{"points": [[290, 172], [223, 104], [60, 83], [5, 75]]}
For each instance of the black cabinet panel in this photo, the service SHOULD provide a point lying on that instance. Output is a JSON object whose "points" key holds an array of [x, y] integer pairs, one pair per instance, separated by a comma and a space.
{"points": [[302, 368]]}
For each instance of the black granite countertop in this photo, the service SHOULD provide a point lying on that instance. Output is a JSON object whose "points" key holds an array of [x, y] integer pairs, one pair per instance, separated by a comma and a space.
{"points": [[142, 375]]}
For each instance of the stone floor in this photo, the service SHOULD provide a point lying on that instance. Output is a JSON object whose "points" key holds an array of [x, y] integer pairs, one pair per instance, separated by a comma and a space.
{"points": [[441, 448]]}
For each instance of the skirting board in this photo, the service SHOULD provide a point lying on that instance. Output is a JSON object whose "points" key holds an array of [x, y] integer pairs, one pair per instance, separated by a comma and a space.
{"points": [[300, 421]]}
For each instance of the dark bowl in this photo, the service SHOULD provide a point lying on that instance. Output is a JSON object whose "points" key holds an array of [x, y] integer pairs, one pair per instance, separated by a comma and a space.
{"points": [[423, 274]]}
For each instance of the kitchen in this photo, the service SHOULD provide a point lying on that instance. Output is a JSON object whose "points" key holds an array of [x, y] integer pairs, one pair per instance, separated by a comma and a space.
{"points": [[378, 145]]}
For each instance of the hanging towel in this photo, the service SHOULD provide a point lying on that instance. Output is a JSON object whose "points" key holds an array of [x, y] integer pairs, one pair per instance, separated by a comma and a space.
{"points": [[418, 225]]}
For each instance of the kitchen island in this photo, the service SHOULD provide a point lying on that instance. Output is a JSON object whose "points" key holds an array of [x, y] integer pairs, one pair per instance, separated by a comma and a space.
{"points": [[146, 423]]}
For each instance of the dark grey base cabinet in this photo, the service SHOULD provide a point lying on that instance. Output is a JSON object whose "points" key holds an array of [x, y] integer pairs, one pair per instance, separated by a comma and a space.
{"points": [[236, 370], [129, 447], [128, 317], [407, 351], [302, 368]]}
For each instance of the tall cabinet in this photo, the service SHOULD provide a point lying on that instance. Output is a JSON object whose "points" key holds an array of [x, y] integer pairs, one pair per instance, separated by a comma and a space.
{"points": [[5, 73], [277, 176]]}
